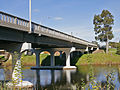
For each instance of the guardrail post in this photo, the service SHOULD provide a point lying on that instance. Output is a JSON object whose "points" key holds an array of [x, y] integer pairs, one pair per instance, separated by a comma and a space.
{"points": [[2, 17], [5, 18], [15, 20]]}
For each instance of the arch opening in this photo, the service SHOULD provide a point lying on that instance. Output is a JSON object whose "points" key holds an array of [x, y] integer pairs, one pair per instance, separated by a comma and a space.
{"points": [[74, 57], [45, 58]]}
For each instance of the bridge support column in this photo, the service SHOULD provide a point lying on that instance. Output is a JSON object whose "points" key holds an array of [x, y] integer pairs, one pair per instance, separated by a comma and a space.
{"points": [[97, 48], [37, 53], [16, 75], [17, 71], [68, 55], [68, 59], [52, 59], [86, 49]]}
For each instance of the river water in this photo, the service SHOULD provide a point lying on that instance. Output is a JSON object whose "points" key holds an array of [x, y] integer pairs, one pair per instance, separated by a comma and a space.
{"points": [[69, 79]]}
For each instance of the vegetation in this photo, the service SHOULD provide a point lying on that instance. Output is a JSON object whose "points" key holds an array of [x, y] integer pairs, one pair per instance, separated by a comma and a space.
{"points": [[28, 60], [96, 59], [103, 26], [100, 58], [113, 44], [31, 60], [118, 49]]}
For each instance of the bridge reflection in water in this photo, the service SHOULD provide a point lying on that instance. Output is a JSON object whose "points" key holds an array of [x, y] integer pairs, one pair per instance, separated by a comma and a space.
{"points": [[64, 79], [52, 79]]}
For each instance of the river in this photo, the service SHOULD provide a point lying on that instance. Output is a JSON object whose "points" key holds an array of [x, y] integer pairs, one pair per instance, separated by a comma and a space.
{"points": [[69, 79]]}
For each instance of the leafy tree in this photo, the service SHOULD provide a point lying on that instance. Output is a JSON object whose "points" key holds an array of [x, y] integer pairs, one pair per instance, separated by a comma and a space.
{"points": [[113, 44], [103, 26]]}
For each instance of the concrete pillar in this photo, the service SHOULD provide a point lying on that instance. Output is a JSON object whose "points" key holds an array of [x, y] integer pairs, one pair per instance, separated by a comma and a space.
{"points": [[68, 59], [68, 55], [16, 75], [86, 49], [13, 61], [52, 59], [97, 48], [91, 48], [60, 54], [37, 53]]}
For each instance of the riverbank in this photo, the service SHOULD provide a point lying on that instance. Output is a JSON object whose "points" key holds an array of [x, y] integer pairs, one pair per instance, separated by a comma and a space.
{"points": [[95, 59], [100, 58], [31, 60]]}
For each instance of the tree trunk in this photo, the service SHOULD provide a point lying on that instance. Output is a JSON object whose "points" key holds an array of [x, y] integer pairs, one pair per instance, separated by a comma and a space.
{"points": [[107, 45]]}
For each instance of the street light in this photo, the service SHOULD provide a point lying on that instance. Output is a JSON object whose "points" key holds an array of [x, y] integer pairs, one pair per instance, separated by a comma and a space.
{"points": [[30, 16]]}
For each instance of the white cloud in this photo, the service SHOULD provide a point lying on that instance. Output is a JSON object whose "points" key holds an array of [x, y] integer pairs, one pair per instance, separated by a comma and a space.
{"points": [[58, 18], [36, 10]]}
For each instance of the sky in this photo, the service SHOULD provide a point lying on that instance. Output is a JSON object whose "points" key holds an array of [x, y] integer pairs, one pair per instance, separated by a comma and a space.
{"points": [[68, 16]]}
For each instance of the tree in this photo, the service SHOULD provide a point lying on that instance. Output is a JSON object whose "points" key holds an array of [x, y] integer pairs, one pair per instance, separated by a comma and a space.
{"points": [[103, 26], [113, 44]]}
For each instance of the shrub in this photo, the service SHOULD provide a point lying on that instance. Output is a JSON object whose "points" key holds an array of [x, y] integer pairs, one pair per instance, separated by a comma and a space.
{"points": [[118, 49]]}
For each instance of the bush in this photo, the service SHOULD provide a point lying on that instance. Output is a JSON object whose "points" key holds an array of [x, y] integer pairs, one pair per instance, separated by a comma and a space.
{"points": [[118, 49]]}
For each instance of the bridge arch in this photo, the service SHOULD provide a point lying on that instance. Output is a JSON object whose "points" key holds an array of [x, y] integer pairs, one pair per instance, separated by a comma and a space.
{"points": [[74, 57], [45, 58]]}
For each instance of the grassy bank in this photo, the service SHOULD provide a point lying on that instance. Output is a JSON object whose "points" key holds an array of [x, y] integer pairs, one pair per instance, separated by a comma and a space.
{"points": [[95, 59], [28, 60], [100, 58], [31, 60]]}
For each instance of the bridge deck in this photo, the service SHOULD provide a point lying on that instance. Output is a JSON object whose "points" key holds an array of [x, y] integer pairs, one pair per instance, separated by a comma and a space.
{"points": [[10, 21]]}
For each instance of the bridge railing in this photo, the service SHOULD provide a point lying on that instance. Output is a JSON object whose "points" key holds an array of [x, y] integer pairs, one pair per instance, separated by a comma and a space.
{"points": [[22, 24]]}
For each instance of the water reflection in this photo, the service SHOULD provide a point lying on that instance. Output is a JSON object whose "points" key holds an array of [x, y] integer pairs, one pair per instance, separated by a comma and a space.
{"points": [[2, 77], [66, 79], [53, 78]]}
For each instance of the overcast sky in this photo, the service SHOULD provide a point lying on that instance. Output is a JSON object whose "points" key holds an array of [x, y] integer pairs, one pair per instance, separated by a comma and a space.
{"points": [[66, 15]]}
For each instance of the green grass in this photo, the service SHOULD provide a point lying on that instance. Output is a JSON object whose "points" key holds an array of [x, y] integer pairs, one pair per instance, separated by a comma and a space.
{"points": [[31, 60], [28, 60], [96, 59], [2, 56], [112, 50], [100, 58]]}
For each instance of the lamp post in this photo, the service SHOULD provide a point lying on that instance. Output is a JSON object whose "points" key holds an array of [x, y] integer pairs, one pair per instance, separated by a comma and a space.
{"points": [[30, 15]]}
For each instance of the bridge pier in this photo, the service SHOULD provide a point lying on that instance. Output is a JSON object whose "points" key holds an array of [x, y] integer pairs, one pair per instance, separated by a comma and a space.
{"points": [[68, 59], [37, 53], [68, 51], [52, 59], [16, 67]]}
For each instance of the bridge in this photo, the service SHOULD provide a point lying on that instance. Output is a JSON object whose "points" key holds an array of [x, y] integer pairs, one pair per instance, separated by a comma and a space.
{"points": [[15, 35]]}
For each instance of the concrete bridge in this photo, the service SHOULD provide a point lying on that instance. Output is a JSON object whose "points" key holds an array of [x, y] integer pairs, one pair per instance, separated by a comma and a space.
{"points": [[15, 35]]}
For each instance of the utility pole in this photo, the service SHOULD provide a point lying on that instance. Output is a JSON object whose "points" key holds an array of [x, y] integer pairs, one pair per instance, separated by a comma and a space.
{"points": [[30, 16]]}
